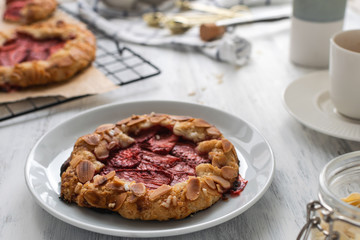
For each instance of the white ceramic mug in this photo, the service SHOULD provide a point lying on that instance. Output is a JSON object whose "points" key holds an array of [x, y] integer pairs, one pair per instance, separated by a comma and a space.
{"points": [[312, 24], [344, 69]]}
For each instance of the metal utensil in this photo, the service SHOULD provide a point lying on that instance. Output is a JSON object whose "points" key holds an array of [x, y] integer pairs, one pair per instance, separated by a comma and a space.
{"points": [[235, 11], [179, 23]]}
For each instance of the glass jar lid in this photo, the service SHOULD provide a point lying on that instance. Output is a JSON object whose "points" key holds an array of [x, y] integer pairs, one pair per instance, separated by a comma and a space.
{"points": [[338, 179]]}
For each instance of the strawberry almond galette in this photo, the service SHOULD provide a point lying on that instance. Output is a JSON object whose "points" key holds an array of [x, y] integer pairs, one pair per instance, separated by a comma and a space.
{"points": [[43, 53], [28, 11], [151, 167]]}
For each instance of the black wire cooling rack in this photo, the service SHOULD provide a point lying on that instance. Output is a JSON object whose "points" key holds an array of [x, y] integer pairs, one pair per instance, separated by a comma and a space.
{"points": [[120, 64]]}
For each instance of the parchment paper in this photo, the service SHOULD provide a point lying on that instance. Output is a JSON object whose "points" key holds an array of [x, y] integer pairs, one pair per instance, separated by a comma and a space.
{"points": [[89, 81]]}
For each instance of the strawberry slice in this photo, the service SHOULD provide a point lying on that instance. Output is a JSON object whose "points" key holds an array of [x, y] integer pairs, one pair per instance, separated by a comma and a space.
{"points": [[161, 143], [13, 8], [151, 179], [187, 153], [25, 48], [164, 161], [127, 158], [181, 172]]}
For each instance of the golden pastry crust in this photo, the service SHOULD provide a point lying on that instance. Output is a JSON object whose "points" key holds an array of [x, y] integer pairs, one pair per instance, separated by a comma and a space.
{"points": [[77, 53], [34, 10], [81, 182]]}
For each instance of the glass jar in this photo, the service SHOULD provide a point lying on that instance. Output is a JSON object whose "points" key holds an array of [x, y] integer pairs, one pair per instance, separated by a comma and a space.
{"points": [[330, 217]]}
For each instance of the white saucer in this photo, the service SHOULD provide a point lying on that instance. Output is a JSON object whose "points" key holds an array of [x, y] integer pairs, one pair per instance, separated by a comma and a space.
{"points": [[308, 100]]}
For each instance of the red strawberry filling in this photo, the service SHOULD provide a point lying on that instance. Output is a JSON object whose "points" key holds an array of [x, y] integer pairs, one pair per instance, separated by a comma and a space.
{"points": [[157, 157], [13, 8], [24, 48]]}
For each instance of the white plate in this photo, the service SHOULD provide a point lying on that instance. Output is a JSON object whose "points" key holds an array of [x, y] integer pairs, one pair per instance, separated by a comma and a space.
{"points": [[43, 167], [308, 100]]}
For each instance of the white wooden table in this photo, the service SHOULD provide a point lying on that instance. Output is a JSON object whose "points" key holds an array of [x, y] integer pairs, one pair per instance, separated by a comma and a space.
{"points": [[253, 93]]}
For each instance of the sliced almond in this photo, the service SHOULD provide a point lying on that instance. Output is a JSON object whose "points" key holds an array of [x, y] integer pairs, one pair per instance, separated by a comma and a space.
{"points": [[85, 171], [110, 175], [226, 144], [157, 115], [210, 183], [94, 199], [119, 201], [174, 201], [111, 132], [180, 118], [220, 188], [198, 122], [213, 131], [135, 121], [116, 186], [92, 139], [106, 137], [138, 189], [104, 127], [157, 119], [228, 172], [157, 193], [117, 131], [99, 180], [101, 151], [124, 121], [112, 144], [224, 183], [193, 189], [167, 202]]}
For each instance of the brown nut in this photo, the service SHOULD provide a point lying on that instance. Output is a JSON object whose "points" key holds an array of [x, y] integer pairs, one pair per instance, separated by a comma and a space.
{"points": [[101, 151], [213, 131], [226, 144], [209, 31], [157, 119], [138, 189], [220, 188], [92, 139], [124, 121], [135, 121], [180, 118], [174, 201], [106, 137], [116, 186], [210, 183], [110, 175], [198, 122], [193, 189], [104, 127], [119, 201], [85, 171], [157, 193], [228, 172], [99, 180], [224, 183], [112, 144]]}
